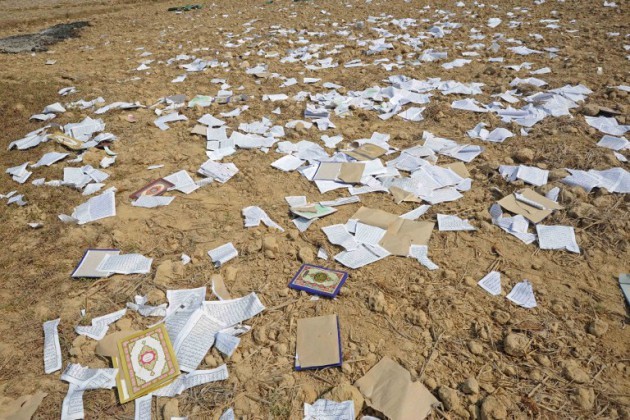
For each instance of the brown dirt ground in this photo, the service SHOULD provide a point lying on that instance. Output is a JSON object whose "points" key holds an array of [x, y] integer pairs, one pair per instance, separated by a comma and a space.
{"points": [[572, 290]]}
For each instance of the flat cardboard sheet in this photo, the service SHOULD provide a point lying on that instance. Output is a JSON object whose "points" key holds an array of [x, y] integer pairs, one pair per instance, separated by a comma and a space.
{"points": [[403, 233], [374, 217], [367, 151], [327, 171], [401, 195], [510, 203], [459, 168], [351, 173], [388, 388], [21, 408], [318, 342]]}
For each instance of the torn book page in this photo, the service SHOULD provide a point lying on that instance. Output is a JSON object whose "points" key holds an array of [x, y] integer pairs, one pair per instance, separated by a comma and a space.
{"points": [[361, 256], [416, 213], [100, 325], [96, 208], [150, 202], [182, 181], [254, 215], [126, 264], [557, 237], [523, 295], [228, 415], [491, 283], [226, 343], [452, 223], [197, 336], [287, 163], [338, 235], [222, 254], [143, 407], [52, 349], [221, 172], [182, 304], [162, 121], [329, 410], [140, 305], [192, 379], [367, 234], [421, 253]]}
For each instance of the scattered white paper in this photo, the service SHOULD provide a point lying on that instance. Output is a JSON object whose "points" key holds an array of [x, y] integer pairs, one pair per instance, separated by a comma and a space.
{"points": [[143, 408], [329, 410], [125, 264], [557, 237], [152, 201], [452, 223], [491, 283], [140, 305], [338, 235], [523, 295], [222, 254], [100, 325], [254, 215], [421, 253], [52, 349]]}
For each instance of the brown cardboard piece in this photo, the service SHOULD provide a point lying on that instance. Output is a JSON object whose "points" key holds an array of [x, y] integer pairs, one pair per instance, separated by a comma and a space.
{"points": [[202, 130], [510, 203], [21, 408], [327, 171], [367, 151], [388, 388], [401, 195], [351, 173], [374, 217], [403, 233], [459, 168], [318, 341]]}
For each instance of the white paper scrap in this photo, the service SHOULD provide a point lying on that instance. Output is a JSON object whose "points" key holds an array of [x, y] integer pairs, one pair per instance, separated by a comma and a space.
{"points": [[453, 223], [52, 349], [287, 163], [126, 264], [421, 253], [367, 234], [557, 237], [329, 410], [254, 215], [100, 325], [152, 201], [338, 235], [140, 305], [143, 408], [523, 295], [96, 208], [491, 283], [228, 414], [222, 254], [363, 255], [194, 378], [416, 213]]}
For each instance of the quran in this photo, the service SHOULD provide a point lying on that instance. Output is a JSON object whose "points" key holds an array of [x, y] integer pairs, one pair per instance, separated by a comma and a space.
{"points": [[318, 280], [146, 362]]}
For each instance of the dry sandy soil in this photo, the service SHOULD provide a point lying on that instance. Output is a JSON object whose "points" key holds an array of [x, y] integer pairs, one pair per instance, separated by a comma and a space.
{"points": [[440, 325]]}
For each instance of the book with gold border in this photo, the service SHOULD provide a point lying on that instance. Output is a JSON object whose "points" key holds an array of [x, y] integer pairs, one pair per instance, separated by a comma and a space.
{"points": [[146, 362]]}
